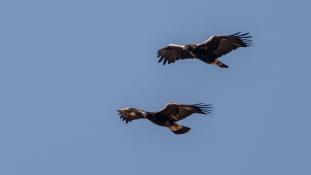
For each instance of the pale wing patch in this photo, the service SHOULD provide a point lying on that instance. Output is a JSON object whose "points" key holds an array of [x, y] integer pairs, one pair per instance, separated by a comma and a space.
{"points": [[192, 54], [133, 114], [176, 45], [175, 117], [210, 38], [188, 108]]}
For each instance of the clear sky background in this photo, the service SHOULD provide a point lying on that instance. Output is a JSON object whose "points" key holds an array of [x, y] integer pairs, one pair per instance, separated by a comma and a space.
{"points": [[67, 65]]}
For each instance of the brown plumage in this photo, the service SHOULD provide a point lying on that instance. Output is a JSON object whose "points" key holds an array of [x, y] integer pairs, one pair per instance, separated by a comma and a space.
{"points": [[209, 51], [168, 116]]}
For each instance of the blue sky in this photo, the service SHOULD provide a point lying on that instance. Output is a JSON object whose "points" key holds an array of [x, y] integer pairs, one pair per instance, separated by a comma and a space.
{"points": [[66, 66]]}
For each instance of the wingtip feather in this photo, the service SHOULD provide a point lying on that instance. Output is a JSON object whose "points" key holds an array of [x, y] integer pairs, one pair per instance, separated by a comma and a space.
{"points": [[204, 108]]}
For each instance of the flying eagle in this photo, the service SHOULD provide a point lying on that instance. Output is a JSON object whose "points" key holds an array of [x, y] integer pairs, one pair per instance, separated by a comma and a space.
{"points": [[168, 116], [209, 51]]}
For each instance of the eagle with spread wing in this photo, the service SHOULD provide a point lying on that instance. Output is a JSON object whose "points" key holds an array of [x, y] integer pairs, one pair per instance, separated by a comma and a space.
{"points": [[209, 51], [168, 116]]}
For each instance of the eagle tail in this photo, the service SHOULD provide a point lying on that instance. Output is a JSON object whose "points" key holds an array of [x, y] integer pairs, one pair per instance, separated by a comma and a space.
{"points": [[221, 64], [179, 129]]}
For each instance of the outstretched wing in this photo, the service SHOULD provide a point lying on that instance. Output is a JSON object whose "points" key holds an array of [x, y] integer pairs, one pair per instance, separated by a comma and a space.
{"points": [[129, 114], [178, 112], [221, 45], [172, 52]]}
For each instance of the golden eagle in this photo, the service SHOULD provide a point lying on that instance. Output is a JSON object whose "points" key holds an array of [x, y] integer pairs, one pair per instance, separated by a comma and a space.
{"points": [[209, 51], [168, 116]]}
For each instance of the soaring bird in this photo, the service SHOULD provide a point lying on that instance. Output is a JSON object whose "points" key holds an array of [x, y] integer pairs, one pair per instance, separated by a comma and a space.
{"points": [[168, 116], [209, 51]]}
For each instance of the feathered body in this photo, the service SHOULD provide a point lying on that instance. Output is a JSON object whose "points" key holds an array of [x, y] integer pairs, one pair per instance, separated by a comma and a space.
{"points": [[209, 51], [168, 116]]}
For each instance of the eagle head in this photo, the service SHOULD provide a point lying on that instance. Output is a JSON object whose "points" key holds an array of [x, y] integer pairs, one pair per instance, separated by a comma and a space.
{"points": [[129, 114], [128, 111]]}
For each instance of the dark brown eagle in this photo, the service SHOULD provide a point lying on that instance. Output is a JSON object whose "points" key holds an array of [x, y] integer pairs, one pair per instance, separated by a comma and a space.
{"points": [[209, 51], [168, 116]]}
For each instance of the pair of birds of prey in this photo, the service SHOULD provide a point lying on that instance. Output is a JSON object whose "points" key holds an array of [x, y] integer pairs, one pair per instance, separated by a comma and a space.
{"points": [[209, 52]]}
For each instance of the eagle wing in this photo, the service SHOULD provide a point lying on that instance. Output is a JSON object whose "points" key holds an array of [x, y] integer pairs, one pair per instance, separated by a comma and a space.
{"points": [[221, 45], [172, 52], [129, 114], [178, 112]]}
